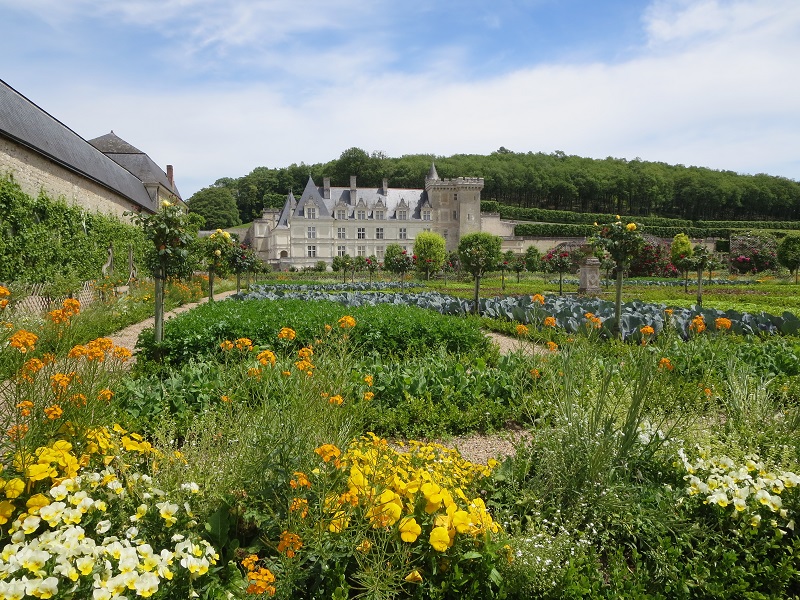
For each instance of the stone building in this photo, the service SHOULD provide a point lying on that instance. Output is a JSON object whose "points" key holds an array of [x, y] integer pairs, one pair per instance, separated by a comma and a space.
{"points": [[105, 175], [325, 222]]}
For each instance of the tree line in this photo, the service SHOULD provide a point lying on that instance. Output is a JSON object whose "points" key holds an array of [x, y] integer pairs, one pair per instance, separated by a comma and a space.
{"points": [[554, 181]]}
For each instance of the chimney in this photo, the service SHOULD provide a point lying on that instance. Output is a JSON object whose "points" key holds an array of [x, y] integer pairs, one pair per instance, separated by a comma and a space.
{"points": [[385, 186], [170, 176], [353, 189], [326, 185]]}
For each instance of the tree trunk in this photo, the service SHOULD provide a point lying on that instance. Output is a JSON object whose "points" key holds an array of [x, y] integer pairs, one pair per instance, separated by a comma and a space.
{"points": [[618, 302], [477, 293], [238, 282], [159, 312], [561, 284], [211, 285], [503, 280], [700, 287]]}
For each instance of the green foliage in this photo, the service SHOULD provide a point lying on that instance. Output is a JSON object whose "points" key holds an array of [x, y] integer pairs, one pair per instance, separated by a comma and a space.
{"points": [[429, 248], [754, 252], [171, 239], [681, 252], [789, 253], [217, 206], [48, 241], [479, 253], [392, 330]]}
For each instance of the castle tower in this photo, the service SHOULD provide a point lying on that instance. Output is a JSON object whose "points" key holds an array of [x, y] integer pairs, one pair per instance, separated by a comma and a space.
{"points": [[456, 204]]}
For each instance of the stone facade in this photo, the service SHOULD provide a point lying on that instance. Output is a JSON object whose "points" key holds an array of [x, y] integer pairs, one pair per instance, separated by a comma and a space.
{"points": [[36, 174], [325, 222]]}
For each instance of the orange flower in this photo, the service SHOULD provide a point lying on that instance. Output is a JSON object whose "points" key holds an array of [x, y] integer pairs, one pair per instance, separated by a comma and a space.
{"points": [[521, 330], [289, 543], [266, 357], [698, 324], [25, 408], [552, 346], [328, 452], [665, 363], [17, 432], [226, 345], [337, 399], [346, 322], [300, 480], [369, 380], [549, 322], [53, 412], [535, 373], [305, 353], [368, 396], [22, 340], [244, 344], [299, 505], [254, 372], [287, 333], [105, 395], [647, 330], [537, 298], [225, 399], [723, 323]]}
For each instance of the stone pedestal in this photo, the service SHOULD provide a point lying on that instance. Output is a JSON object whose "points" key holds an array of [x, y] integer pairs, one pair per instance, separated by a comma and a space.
{"points": [[589, 276]]}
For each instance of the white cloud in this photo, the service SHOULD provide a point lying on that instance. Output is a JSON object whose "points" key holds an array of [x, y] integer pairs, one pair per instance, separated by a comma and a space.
{"points": [[714, 86]]}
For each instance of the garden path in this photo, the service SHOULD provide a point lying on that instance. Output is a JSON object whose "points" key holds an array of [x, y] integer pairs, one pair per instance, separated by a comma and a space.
{"points": [[127, 337]]}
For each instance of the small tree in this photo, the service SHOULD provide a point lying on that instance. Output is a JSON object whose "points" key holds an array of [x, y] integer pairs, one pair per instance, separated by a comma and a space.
{"points": [[680, 253], [479, 253], [398, 261], [218, 249], [518, 264], [533, 259], [372, 266], [558, 262], [700, 259], [429, 248], [172, 235], [622, 242], [243, 260], [789, 253], [359, 264], [344, 264]]}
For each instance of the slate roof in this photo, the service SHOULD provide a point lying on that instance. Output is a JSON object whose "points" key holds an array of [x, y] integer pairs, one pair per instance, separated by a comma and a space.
{"points": [[134, 160], [27, 124], [415, 199]]}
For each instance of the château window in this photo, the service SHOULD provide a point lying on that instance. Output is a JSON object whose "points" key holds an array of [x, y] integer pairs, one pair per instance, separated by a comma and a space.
{"points": [[312, 232], [341, 250], [379, 252], [362, 214], [455, 215], [402, 215], [379, 214], [311, 251], [426, 215], [361, 251], [341, 214], [311, 212], [340, 233], [455, 197], [379, 233], [403, 235], [362, 233]]}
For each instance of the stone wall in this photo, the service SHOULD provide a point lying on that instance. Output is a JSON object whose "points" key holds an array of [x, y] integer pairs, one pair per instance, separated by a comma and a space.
{"points": [[34, 173]]}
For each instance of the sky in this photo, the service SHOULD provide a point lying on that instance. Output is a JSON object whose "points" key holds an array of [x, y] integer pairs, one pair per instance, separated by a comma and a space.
{"points": [[219, 87]]}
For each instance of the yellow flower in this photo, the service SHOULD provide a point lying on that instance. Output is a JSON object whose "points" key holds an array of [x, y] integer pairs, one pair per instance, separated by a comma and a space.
{"points": [[698, 324], [287, 333], [414, 577], [289, 543], [552, 346], [522, 330], [631, 227], [6, 510], [14, 487], [337, 399], [368, 380], [328, 452], [538, 298], [226, 345], [266, 357], [53, 412], [368, 396], [105, 394], [409, 529], [244, 344], [549, 322], [440, 539], [364, 546], [723, 323], [225, 399], [346, 322]]}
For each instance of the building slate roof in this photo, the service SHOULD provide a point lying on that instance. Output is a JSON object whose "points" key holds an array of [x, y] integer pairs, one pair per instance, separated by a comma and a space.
{"points": [[134, 160], [391, 199], [27, 124]]}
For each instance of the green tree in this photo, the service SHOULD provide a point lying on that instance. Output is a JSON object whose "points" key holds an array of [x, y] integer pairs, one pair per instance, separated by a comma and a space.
{"points": [[243, 259], [344, 264], [217, 206], [398, 261], [518, 264], [700, 259], [372, 266], [789, 253], [429, 248], [533, 259], [171, 235], [680, 253], [479, 253], [622, 241], [560, 262], [217, 249]]}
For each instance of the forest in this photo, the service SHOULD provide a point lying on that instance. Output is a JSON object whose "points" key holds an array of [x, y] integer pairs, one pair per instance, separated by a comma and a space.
{"points": [[555, 181]]}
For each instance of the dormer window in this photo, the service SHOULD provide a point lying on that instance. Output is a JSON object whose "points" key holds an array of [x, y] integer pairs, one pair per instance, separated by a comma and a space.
{"points": [[341, 214], [378, 214], [426, 215], [311, 212], [402, 215], [361, 214]]}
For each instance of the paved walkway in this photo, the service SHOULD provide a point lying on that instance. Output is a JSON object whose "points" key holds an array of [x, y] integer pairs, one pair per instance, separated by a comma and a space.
{"points": [[127, 337]]}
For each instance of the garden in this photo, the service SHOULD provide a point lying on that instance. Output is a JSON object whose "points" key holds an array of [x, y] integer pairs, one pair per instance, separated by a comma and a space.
{"points": [[294, 441]]}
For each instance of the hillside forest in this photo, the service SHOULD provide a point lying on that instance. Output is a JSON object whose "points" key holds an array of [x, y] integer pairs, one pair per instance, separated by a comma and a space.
{"points": [[537, 180]]}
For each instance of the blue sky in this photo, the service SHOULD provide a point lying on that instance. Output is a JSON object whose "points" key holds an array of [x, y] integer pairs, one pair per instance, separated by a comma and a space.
{"points": [[218, 87]]}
